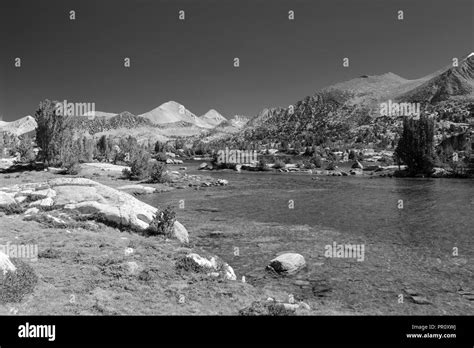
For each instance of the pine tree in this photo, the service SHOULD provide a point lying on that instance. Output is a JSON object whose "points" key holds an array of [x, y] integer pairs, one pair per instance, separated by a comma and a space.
{"points": [[50, 132], [416, 146]]}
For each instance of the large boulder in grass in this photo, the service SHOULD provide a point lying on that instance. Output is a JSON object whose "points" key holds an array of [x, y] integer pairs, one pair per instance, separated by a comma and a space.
{"points": [[88, 197], [288, 263]]}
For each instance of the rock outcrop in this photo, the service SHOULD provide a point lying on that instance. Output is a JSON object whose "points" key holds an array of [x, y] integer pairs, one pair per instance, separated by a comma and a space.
{"points": [[86, 196]]}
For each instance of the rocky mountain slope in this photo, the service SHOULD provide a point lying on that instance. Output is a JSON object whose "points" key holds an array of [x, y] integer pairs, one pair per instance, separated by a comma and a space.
{"points": [[350, 111], [19, 127], [124, 120]]}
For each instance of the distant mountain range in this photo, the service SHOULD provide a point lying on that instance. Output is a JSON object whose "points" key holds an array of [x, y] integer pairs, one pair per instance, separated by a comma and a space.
{"points": [[348, 107], [170, 119], [352, 108]]}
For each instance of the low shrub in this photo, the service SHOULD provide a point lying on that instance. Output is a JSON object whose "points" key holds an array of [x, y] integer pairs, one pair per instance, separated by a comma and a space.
{"points": [[163, 223], [72, 168], [316, 160], [189, 265], [139, 165], [262, 165], [308, 165], [161, 156], [12, 209], [279, 164], [157, 173], [331, 166]]}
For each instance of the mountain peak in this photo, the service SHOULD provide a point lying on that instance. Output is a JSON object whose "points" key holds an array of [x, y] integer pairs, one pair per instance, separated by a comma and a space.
{"points": [[174, 112], [213, 118], [171, 103]]}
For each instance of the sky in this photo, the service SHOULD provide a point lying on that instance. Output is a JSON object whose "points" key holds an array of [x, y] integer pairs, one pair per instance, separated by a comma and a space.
{"points": [[192, 61]]}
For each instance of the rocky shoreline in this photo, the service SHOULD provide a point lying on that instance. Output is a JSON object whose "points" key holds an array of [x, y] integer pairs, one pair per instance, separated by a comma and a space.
{"points": [[75, 206]]}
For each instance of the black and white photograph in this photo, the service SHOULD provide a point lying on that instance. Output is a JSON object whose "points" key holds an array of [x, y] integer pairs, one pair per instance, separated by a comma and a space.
{"points": [[237, 158]]}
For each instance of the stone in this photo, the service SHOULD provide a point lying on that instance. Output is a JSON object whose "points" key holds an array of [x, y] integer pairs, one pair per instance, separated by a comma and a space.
{"points": [[439, 172], [222, 182], [47, 202], [132, 267], [202, 261], [180, 232], [288, 263], [411, 292], [228, 272], [202, 166], [213, 265], [20, 199], [32, 211], [304, 305], [216, 234], [6, 199], [420, 300], [291, 306], [5, 264], [42, 194], [56, 170], [137, 189], [108, 167], [300, 282]]}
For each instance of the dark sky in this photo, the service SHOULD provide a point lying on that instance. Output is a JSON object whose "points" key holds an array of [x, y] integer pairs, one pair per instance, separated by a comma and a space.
{"points": [[191, 62]]}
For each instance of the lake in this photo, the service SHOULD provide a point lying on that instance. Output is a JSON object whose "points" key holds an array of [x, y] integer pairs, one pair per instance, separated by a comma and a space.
{"points": [[415, 231]]}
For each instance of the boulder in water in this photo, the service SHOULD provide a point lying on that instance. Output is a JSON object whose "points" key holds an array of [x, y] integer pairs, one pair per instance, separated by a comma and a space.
{"points": [[288, 263], [180, 232]]}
